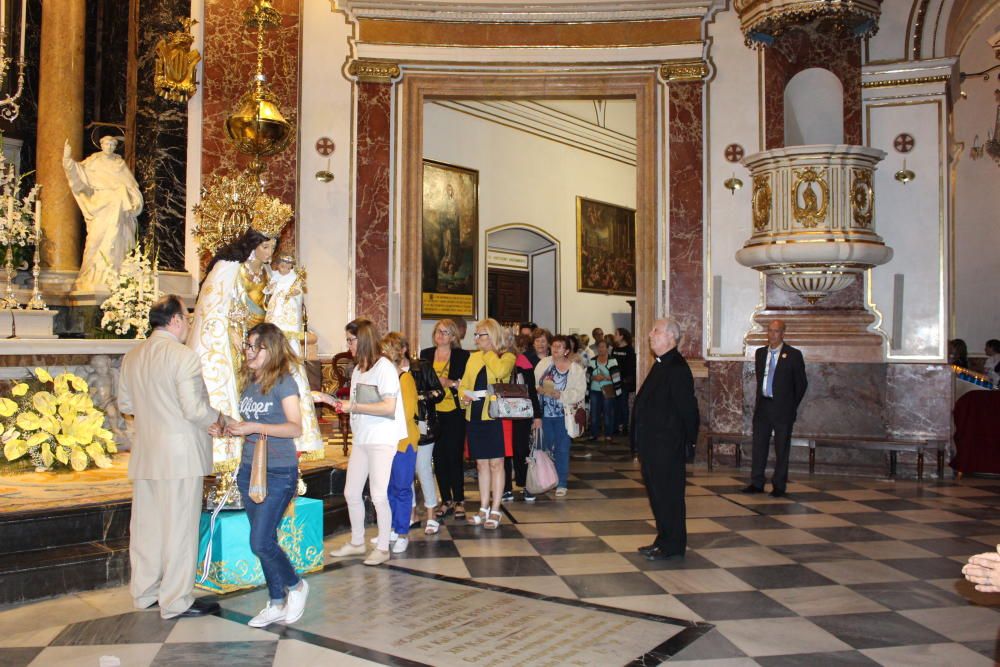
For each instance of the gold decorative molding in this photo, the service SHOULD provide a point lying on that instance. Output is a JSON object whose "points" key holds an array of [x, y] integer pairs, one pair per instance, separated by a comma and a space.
{"points": [[814, 212], [760, 202], [862, 198], [684, 70], [601, 34], [916, 81], [372, 71]]}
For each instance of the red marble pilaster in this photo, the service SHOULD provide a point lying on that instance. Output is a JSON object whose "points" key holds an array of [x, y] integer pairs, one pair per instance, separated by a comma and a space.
{"points": [[815, 45], [230, 59], [685, 242], [371, 214]]}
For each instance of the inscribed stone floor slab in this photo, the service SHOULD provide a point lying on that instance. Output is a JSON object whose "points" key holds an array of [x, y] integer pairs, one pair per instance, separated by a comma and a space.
{"points": [[418, 618]]}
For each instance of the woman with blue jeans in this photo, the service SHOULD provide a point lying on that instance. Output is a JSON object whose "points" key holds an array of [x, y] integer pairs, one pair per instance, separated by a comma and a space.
{"points": [[605, 385], [561, 386], [269, 406]]}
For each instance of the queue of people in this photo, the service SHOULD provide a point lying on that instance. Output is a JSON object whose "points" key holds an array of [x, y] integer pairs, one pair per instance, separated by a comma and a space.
{"points": [[412, 420]]}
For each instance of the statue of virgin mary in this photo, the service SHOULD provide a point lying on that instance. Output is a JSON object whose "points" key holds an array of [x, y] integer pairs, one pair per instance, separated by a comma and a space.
{"points": [[230, 303]]}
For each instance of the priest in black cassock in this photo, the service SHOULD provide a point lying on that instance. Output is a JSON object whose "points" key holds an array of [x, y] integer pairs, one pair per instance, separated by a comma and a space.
{"points": [[664, 425]]}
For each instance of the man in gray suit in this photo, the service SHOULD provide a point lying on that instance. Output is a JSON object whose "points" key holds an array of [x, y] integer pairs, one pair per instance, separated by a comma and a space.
{"points": [[161, 384]]}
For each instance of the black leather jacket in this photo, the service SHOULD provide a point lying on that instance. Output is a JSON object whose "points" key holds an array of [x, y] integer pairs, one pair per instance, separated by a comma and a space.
{"points": [[429, 393]]}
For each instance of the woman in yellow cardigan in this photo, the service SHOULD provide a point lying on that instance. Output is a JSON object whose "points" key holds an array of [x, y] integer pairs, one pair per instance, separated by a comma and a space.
{"points": [[490, 364]]}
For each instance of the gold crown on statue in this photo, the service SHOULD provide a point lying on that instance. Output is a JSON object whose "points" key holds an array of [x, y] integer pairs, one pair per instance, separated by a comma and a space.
{"points": [[230, 206]]}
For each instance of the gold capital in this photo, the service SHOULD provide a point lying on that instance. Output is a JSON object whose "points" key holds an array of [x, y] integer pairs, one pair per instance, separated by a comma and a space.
{"points": [[372, 71], [684, 70]]}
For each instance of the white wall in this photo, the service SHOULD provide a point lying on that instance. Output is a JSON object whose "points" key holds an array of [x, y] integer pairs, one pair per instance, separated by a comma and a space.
{"points": [[325, 211], [814, 108], [733, 101], [544, 306], [913, 219], [890, 42], [527, 179], [977, 200]]}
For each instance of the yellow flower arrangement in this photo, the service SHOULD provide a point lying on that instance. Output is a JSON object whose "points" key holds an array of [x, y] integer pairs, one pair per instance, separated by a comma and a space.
{"points": [[58, 426]]}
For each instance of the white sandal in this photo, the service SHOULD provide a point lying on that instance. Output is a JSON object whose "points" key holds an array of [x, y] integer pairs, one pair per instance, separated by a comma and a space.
{"points": [[432, 527], [491, 523], [479, 518]]}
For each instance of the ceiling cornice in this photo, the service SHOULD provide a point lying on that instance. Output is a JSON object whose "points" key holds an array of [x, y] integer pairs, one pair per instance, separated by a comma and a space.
{"points": [[538, 12], [539, 120]]}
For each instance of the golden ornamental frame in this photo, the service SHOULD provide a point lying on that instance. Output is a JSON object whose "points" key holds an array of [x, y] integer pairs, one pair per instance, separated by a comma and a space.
{"points": [[617, 216]]}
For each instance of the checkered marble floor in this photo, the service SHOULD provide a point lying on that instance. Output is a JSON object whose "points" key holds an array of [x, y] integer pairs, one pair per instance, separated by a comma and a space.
{"points": [[843, 571]]}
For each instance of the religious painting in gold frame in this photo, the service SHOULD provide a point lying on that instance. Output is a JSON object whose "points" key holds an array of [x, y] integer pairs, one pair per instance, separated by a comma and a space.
{"points": [[450, 235], [605, 247]]}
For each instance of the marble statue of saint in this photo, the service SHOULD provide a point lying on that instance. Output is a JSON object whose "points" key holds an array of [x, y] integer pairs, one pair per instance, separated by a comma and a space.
{"points": [[110, 199]]}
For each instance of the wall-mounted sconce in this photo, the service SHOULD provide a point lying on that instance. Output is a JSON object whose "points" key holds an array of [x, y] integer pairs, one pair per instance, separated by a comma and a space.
{"points": [[325, 175], [732, 184], [904, 175]]}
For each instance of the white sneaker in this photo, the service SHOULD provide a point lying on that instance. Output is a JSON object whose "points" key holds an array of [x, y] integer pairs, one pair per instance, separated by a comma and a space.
{"points": [[348, 549], [399, 546], [392, 538], [295, 605], [377, 557], [270, 614], [560, 492]]}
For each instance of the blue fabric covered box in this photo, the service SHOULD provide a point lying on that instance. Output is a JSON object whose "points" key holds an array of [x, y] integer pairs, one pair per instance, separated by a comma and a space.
{"points": [[233, 565]]}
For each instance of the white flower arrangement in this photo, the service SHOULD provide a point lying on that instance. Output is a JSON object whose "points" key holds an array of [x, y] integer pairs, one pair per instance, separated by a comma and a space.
{"points": [[17, 214], [133, 292]]}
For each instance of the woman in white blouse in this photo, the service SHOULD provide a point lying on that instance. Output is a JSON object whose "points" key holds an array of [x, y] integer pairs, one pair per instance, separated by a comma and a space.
{"points": [[377, 426]]}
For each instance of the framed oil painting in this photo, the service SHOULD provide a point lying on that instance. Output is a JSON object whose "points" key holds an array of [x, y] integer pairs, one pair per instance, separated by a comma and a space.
{"points": [[605, 243], [450, 228]]}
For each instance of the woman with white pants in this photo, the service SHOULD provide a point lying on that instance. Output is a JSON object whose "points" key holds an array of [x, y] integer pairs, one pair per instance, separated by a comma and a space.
{"points": [[377, 426]]}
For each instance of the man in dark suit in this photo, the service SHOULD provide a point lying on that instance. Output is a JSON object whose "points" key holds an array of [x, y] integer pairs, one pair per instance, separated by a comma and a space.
{"points": [[781, 384], [664, 423]]}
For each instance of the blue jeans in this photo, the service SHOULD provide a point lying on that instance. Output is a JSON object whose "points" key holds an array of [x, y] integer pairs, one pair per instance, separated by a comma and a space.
{"points": [[621, 410], [264, 519], [556, 440], [602, 408], [404, 465]]}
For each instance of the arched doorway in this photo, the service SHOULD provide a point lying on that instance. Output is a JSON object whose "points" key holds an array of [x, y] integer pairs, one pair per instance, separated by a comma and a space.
{"points": [[522, 275]]}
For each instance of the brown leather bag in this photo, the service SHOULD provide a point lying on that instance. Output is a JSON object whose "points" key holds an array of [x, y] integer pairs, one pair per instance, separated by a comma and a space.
{"points": [[258, 471]]}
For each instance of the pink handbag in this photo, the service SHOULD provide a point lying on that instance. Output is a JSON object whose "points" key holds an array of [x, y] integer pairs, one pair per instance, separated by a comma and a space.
{"points": [[542, 474]]}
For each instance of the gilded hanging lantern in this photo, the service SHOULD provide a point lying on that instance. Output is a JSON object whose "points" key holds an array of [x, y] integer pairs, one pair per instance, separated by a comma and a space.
{"points": [[257, 127]]}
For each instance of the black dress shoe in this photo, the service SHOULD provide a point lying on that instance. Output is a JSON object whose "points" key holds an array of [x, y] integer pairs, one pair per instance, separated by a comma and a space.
{"points": [[776, 493], [750, 488], [646, 549], [659, 554], [200, 608]]}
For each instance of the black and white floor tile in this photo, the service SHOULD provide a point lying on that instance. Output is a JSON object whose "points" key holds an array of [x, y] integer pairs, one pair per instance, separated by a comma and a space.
{"points": [[843, 571]]}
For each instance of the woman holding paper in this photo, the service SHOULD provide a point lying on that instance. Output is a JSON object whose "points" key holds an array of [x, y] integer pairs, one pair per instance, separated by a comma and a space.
{"points": [[492, 363], [378, 424]]}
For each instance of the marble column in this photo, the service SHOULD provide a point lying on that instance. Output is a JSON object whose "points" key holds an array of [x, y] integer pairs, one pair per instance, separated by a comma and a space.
{"points": [[60, 117], [371, 215], [686, 176]]}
